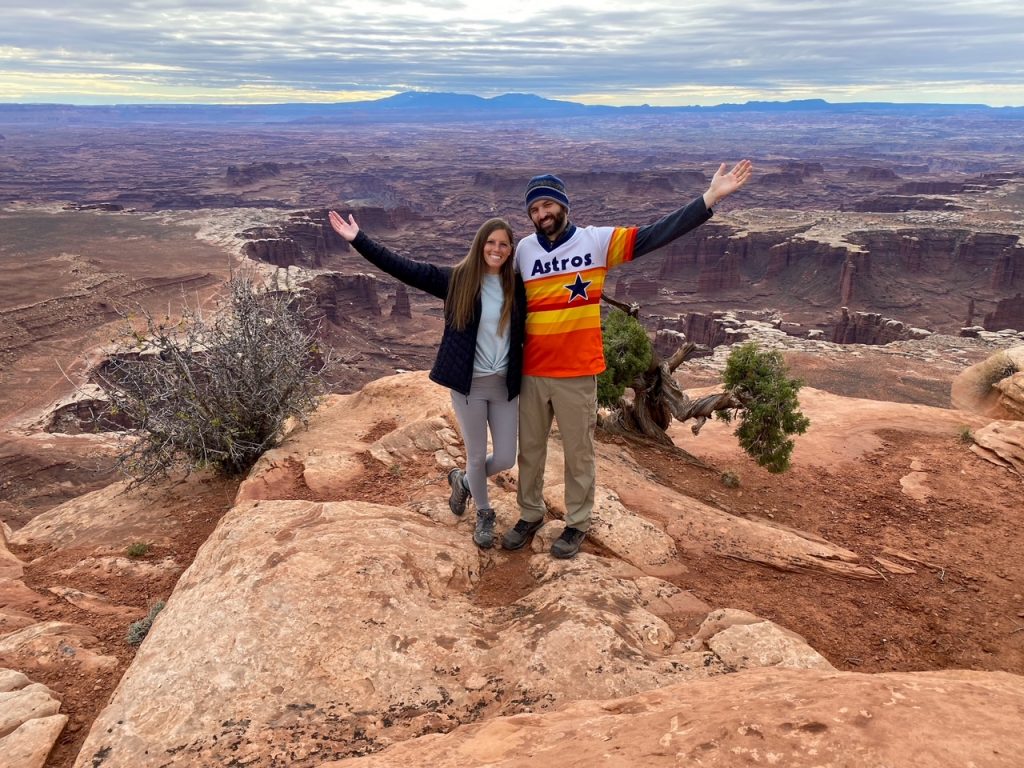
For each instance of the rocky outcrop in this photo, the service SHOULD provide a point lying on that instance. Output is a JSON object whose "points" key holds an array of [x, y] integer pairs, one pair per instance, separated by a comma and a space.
{"points": [[1011, 394], [397, 651], [714, 329], [807, 719], [303, 241], [1009, 313], [30, 721], [913, 250], [1002, 443], [339, 296], [713, 259], [106, 207], [846, 280], [281, 252], [401, 307], [722, 275], [871, 328], [951, 251], [814, 256], [994, 387], [639, 289], [367, 620]]}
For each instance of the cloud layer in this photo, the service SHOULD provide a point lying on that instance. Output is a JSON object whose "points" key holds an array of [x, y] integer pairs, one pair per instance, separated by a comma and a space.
{"points": [[651, 52]]}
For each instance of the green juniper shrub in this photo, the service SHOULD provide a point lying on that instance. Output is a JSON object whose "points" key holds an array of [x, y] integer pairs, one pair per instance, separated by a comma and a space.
{"points": [[628, 353], [770, 410]]}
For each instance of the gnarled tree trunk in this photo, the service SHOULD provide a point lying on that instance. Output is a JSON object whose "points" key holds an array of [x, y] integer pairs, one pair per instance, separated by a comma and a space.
{"points": [[658, 398]]}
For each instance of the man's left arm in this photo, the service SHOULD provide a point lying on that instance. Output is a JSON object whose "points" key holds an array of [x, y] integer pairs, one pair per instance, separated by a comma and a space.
{"points": [[681, 221]]}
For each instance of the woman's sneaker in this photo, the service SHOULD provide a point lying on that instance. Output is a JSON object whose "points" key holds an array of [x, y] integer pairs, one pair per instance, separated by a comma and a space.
{"points": [[460, 493], [483, 536]]}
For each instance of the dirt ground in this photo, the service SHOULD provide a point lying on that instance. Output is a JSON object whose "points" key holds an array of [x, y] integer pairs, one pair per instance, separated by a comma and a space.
{"points": [[963, 607]]}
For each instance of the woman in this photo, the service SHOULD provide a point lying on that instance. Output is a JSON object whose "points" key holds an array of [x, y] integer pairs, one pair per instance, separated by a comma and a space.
{"points": [[480, 357]]}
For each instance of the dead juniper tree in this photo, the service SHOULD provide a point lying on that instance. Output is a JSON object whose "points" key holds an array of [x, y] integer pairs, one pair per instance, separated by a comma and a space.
{"points": [[213, 393], [757, 391]]}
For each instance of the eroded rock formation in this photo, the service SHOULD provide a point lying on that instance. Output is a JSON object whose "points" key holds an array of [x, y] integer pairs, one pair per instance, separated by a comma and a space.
{"points": [[340, 296], [1009, 313], [871, 328]]}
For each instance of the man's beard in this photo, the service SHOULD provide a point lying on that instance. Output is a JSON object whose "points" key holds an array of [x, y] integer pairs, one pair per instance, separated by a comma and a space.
{"points": [[555, 224]]}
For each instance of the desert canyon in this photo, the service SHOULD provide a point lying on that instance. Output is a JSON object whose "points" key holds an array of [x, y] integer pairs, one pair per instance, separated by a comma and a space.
{"points": [[865, 608]]}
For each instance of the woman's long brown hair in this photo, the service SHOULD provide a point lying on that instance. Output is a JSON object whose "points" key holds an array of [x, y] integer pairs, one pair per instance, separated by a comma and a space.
{"points": [[468, 275]]}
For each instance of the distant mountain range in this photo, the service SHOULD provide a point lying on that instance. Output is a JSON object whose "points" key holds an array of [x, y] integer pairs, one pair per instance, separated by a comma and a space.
{"points": [[428, 107]]}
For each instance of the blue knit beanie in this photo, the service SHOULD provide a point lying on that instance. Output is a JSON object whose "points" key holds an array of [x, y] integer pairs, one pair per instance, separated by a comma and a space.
{"points": [[546, 186]]}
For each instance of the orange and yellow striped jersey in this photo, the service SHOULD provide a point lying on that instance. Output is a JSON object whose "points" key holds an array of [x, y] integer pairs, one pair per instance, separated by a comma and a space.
{"points": [[563, 299]]}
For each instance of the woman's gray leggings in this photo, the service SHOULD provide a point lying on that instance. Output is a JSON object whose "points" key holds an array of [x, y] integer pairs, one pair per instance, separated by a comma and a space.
{"points": [[487, 405]]}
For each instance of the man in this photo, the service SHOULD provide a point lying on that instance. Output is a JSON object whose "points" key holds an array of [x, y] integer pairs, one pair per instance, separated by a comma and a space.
{"points": [[564, 267]]}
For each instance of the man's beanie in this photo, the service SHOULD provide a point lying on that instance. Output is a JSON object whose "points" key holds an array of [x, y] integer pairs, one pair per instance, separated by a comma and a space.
{"points": [[546, 186]]}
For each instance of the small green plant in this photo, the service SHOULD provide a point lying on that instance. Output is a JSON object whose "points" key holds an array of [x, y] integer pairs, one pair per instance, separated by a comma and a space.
{"points": [[139, 629], [730, 480], [966, 435], [137, 549], [395, 470]]}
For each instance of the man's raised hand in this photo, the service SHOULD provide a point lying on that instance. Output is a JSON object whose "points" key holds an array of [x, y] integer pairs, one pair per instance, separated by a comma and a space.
{"points": [[724, 184]]}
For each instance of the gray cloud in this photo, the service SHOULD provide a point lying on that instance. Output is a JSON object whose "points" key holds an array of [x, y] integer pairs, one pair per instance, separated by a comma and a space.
{"points": [[556, 50]]}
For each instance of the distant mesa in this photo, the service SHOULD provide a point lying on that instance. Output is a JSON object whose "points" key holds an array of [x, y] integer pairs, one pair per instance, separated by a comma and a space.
{"points": [[803, 168], [243, 175], [425, 106], [868, 173], [903, 203], [110, 207], [781, 179], [932, 188]]}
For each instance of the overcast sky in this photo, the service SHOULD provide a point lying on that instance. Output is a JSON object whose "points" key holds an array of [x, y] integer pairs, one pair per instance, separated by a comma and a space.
{"points": [[593, 51]]}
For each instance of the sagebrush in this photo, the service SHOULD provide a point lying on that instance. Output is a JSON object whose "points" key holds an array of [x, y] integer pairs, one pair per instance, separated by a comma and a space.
{"points": [[138, 630], [213, 393]]}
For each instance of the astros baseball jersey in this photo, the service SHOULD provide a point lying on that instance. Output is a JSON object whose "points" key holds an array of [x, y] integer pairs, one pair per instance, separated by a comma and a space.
{"points": [[563, 299]]}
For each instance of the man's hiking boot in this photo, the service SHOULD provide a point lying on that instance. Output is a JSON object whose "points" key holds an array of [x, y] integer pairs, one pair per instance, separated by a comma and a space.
{"points": [[517, 536], [483, 536], [568, 544], [460, 493]]}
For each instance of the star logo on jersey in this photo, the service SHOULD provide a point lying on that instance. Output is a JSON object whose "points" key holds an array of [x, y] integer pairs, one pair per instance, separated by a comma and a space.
{"points": [[578, 288]]}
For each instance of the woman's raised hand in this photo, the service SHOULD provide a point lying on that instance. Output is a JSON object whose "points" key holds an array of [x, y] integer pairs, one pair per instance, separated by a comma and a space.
{"points": [[347, 229]]}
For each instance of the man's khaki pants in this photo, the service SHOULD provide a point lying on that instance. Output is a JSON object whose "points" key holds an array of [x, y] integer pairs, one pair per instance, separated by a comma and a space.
{"points": [[573, 403]]}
